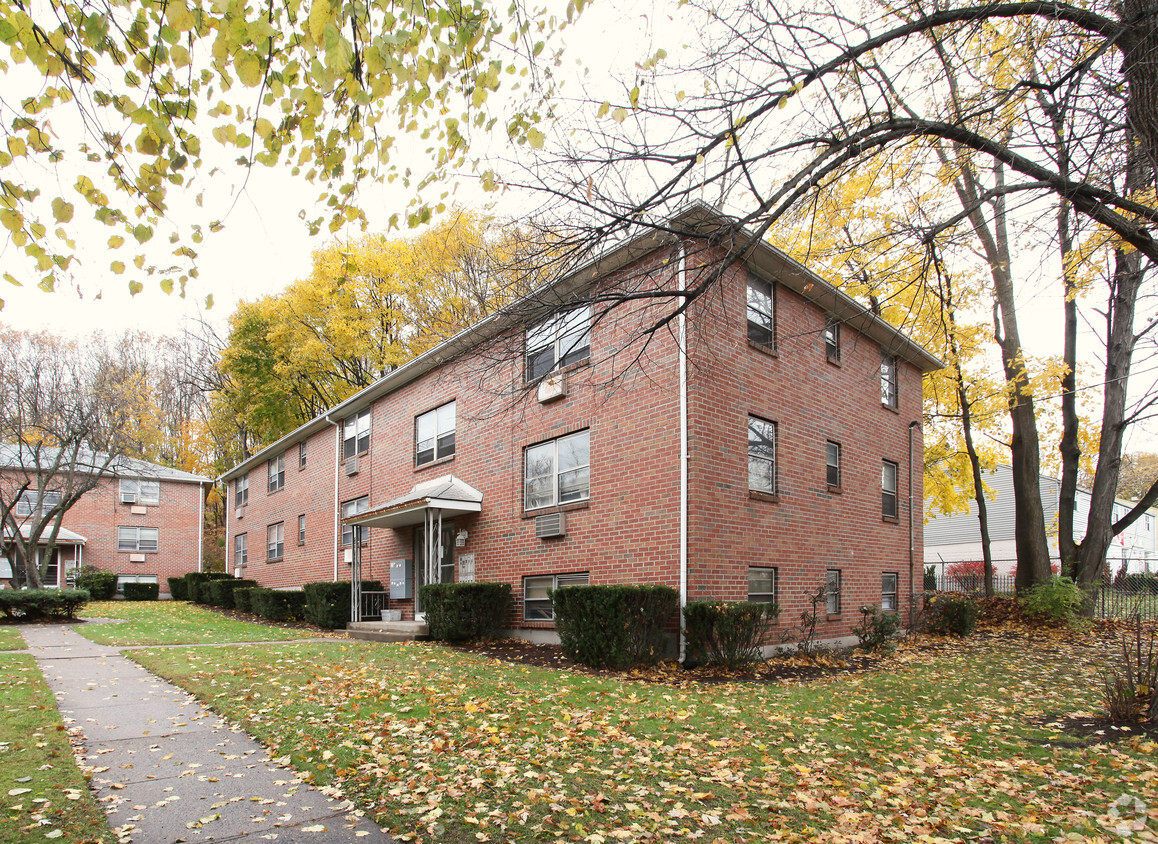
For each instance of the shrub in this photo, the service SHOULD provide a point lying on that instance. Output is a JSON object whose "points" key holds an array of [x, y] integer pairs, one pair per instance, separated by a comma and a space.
{"points": [[969, 574], [951, 614], [100, 584], [1058, 601], [727, 633], [196, 581], [178, 588], [1130, 689], [141, 591], [241, 598], [613, 626], [460, 612], [221, 591], [328, 602], [877, 629], [278, 605], [34, 604]]}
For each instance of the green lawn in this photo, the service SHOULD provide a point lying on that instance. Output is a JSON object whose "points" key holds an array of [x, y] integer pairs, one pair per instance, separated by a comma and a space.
{"points": [[173, 623], [10, 639], [46, 797], [441, 746]]}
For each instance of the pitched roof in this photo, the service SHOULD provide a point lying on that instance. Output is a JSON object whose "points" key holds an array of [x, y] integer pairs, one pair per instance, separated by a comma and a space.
{"points": [[763, 258], [27, 458]]}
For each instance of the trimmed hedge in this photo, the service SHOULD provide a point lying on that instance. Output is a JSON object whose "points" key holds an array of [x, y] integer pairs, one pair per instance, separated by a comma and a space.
{"points": [[101, 585], [613, 626], [34, 604], [196, 580], [727, 633], [950, 613], [241, 598], [221, 591], [141, 591], [278, 605], [460, 612], [178, 588], [328, 603]]}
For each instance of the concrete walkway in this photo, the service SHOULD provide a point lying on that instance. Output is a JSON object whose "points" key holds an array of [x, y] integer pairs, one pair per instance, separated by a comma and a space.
{"points": [[167, 770]]}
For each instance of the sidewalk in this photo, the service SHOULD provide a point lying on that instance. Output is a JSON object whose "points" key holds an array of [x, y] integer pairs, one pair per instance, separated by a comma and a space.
{"points": [[165, 769]]}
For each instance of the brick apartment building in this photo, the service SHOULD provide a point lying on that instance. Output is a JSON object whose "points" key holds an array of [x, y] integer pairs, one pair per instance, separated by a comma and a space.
{"points": [[142, 521], [761, 447]]}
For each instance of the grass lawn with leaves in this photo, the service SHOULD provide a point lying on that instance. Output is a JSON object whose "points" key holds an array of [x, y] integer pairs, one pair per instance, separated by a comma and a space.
{"points": [[173, 623], [46, 796], [11, 640], [445, 746]]}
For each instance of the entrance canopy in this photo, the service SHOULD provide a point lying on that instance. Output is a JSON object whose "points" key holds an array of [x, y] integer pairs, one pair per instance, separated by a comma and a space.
{"points": [[448, 494], [63, 537]]}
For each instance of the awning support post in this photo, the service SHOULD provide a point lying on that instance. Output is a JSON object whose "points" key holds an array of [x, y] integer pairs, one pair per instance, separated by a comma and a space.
{"points": [[356, 574]]}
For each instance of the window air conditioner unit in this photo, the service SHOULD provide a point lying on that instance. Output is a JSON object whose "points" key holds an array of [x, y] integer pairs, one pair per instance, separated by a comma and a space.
{"points": [[128, 498], [240, 512], [552, 387], [551, 524], [352, 466]]}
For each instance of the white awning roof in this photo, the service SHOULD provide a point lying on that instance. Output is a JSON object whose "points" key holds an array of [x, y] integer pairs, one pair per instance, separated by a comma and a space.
{"points": [[63, 537], [454, 497]]}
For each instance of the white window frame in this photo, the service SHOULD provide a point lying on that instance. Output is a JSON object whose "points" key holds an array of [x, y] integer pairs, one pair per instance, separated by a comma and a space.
{"points": [[302, 529], [138, 491], [889, 499], [832, 467], [760, 303], [762, 468], [832, 591], [241, 550], [889, 591], [144, 540], [356, 434], [26, 503], [276, 470], [540, 608], [558, 342], [761, 595], [275, 542], [241, 491], [301, 455], [354, 507], [543, 460], [889, 395], [434, 434]]}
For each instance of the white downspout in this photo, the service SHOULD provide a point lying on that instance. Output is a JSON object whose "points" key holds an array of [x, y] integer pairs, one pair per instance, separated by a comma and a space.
{"points": [[337, 505], [201, 530], [683, 378]]}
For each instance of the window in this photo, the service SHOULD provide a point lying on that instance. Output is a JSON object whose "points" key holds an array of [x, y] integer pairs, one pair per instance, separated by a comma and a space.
{"points": [[832, 591], [356, 434], [301, 455], [562, 340], [832, 340], [558, 471], [889, 381], [761, 455], [353, 508], [241, 491], [277, 473], [888, 489], [761, 313], [536, 603], [1150, 524], [302, 529], [26, 504], [138, 538], [762, 584], [140, 492], [122, 579], [275, 541], [832, 464], [889, 592], [434, 435], [240, 550]]}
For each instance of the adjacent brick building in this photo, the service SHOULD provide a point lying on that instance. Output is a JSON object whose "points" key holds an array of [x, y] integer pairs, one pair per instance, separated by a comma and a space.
{"points": [[764, 445], [142, 521]]}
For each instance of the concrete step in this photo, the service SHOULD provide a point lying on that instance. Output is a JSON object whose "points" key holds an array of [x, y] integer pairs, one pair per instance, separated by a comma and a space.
{"points": [[388, 631]]}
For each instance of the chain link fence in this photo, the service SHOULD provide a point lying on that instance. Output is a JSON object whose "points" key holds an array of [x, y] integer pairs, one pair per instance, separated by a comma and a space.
{"points": [[1120, 595]]}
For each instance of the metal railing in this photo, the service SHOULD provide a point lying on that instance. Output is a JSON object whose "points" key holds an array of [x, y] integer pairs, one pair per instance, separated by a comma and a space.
{"points": [[373, 603]]}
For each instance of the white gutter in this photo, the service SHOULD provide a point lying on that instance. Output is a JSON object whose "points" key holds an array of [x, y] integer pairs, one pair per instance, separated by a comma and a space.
{"points": [[337, 505], [683, 378]]}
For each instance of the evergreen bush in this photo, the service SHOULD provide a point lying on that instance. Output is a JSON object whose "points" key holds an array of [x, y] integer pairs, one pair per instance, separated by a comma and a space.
{"points": [[614, 626], [328, 602], [141, 591], [178, 589], [35, 604], [221, 591], [196, 581], [461, 612], [278, 604], [100, 584], [241, 598], [727, 633], [949, 613]]}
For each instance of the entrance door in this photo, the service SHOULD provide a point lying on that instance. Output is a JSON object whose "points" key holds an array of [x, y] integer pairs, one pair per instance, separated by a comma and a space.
{"points": [[444, 571]]}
